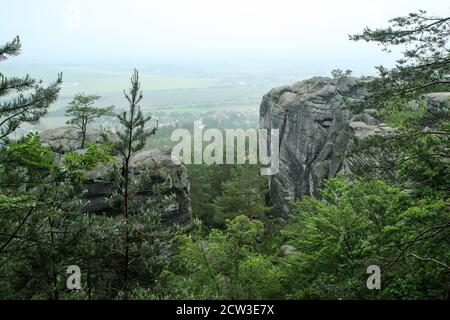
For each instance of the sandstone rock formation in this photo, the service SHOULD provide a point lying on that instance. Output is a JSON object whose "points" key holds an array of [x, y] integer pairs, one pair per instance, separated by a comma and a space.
{"points": [[155, 163], [437, 101], [315, 133], [67, 139]]}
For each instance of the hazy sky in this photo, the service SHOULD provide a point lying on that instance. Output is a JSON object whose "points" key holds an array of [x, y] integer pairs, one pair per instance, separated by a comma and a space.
{"points": [[178, 31]]}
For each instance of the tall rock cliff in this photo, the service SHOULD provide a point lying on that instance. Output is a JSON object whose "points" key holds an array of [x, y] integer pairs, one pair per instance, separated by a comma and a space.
{"points": [[315, 133]]}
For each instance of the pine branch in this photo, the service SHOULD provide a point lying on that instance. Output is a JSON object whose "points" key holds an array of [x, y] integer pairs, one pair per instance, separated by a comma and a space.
{"points": [[10, 49], [16, 85]]}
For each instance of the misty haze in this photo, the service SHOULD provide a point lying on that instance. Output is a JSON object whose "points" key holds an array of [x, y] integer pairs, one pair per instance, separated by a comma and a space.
{"points": [[259, 151]]}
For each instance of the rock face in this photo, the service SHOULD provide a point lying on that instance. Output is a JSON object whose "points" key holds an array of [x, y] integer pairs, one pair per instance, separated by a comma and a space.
{"points": [[315, 132], [67, 139], [155, 164], [437, 101]]}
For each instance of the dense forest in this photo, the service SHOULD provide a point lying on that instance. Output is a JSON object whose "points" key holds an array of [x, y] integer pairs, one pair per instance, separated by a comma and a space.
{"points": [[392, 212]]}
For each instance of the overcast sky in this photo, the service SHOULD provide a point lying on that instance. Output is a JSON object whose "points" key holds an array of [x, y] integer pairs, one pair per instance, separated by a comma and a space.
{"points": [[178, 31]]}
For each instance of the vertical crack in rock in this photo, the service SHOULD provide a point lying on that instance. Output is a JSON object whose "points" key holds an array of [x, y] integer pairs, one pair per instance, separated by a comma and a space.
{"points": [[314, 135]]}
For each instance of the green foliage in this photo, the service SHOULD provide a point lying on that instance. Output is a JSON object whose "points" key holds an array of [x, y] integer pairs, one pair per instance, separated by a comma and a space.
{"points": [[22, 107], [45, 229], [10, 204], [424, 165], [416, 154], [144, 240], [224, 265], [206, 184], [29, 152], [134, 134], [339, 74], [25, 164], [393, 213], [42, 230], [77, 163], [362, 223], [10, 49], [242, 194], [425, 64], [399, 114], [83, 112]]}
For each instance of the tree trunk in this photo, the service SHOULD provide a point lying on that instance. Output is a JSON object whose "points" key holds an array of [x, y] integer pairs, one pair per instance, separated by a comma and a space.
{"points": [[83, 135], [127, 235]]}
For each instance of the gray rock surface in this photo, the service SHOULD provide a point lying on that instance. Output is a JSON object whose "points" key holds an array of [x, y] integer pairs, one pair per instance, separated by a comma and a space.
{"points": [[156, 164], [315, 132], [67, 139], [437, 101]]}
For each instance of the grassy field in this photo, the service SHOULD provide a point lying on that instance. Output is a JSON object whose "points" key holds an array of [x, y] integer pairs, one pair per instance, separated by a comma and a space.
{"points": [[110, 84], [201, 109], [52, 121], [111, 79], [170, 93]]}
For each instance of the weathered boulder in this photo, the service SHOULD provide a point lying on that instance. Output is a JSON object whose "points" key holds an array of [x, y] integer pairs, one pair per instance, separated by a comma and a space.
{"points": [[67, 139], [315, 133], [362, 130], [437, 101], [156, 164]]}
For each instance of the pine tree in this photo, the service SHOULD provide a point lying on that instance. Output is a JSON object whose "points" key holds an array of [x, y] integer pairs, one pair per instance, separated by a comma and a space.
{"points": [[243, 194], [41, 207], [22, 107], [425, 65], [83, 112], [130, 140], [417, 153]]}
